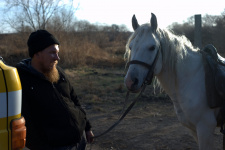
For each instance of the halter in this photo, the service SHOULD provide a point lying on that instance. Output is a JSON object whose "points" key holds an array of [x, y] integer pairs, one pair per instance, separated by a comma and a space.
{"points": [[147, 82], [151, 67]]}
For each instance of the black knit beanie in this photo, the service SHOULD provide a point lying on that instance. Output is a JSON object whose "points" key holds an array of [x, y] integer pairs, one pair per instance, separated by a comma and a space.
{"points": [[39, 40]]}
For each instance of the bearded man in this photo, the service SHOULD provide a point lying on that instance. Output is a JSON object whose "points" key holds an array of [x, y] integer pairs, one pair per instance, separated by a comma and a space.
{"points": [[53, 114]]}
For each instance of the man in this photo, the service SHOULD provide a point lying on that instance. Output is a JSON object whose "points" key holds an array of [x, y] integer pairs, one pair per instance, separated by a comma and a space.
{"points": [[53, 114]]}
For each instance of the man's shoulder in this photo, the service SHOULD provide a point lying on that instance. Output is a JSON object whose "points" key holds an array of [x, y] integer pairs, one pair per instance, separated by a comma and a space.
{"points": [[23, 64], [25, 70], [61, 72]]}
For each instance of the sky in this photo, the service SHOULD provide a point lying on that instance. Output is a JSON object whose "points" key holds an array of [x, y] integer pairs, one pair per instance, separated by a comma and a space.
{"points": [[167, 11], [120, 12]]}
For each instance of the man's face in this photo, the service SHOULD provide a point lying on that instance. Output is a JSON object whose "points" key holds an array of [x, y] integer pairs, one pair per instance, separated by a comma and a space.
{"points": [[48, 58]]}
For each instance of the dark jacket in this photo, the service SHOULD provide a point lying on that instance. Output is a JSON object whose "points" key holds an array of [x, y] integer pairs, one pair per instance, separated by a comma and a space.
{"points": [[53, 114]]}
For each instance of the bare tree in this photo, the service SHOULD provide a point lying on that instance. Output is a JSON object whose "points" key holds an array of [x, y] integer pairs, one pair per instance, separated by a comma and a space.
{"points": [[209, 20], [37, 14]]}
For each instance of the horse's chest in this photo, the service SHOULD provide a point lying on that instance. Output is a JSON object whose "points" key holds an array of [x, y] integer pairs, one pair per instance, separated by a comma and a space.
{"points": [[182, 115]]}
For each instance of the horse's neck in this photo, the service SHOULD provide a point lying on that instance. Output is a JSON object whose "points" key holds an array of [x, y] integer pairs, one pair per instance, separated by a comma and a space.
{"points": [[185, 72], [167, 83]]}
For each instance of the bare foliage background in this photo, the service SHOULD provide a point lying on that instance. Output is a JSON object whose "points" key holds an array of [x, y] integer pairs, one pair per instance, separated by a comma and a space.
{"points": [[83, 43]]}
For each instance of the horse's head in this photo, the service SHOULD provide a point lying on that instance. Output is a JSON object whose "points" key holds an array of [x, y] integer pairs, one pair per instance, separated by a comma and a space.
{"points": [[143, 54]]}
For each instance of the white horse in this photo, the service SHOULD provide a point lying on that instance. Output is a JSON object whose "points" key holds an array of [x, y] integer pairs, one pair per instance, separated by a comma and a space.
{"points": [[179, 68]]}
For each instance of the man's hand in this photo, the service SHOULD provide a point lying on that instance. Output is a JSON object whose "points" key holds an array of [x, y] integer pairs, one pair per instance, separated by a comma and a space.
{"points": [[89, 136]]}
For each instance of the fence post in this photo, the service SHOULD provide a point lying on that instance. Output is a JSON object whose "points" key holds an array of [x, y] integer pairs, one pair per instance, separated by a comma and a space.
{"points": [[198, 31]]}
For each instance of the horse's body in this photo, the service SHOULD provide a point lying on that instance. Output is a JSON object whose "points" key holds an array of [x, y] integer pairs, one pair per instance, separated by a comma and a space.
{"points": [[180, 70]]}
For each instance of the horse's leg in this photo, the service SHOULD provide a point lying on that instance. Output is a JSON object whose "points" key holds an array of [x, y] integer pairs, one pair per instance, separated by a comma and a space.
{"points": [[184, 122], [194, 134], [205, 130]]}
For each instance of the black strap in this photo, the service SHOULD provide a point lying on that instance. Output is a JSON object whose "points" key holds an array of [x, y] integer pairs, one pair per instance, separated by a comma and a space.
{"points": [[150, 73], [151, 68], [141, 63]]}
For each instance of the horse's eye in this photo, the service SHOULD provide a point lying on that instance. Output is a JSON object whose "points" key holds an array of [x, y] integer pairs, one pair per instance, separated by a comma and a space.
{"points": [[152, 48]]}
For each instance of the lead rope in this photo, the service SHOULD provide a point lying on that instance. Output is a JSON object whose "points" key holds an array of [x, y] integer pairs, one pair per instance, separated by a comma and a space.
{"points": [[124, 114], [146, 82]]}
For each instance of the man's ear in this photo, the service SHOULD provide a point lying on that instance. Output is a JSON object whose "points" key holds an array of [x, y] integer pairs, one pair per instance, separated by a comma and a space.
{"points": [[37, 55]]}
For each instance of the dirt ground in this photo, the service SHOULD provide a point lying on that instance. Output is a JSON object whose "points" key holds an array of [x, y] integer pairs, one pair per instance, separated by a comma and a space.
{"points": [[151, 124]]}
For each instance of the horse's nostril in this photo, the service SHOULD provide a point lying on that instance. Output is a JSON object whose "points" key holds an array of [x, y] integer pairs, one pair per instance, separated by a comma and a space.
{"points": [[135, 84], [135, 81]]}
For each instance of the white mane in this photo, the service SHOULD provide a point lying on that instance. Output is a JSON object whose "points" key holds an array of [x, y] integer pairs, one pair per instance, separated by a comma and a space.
{"points": [[174, 48]]}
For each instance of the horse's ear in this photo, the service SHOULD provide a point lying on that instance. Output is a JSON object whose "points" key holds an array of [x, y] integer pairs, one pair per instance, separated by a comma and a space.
{"points": [[154, 23], [134, 23]]}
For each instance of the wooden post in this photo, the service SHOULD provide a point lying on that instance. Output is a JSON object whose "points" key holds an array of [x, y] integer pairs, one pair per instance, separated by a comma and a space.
{"points": [[198, 31]]}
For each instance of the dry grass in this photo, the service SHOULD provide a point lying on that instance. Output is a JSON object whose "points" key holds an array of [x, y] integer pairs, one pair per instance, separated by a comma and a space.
{"points": [[76, 49]]}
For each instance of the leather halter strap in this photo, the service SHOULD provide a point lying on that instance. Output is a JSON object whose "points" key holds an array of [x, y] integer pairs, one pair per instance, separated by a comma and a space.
{"points": [[140, 63], [151, 68]]}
